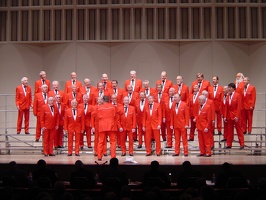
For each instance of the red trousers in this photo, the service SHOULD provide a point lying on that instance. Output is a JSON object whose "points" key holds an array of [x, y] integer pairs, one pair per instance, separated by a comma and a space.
{"points": [[70, 136], [141, 133], [88, 137], [163, 132], [169, 134], [38, 128], [218, 118], [246, 119], [123, 136], [230, 137], [204, 142], [96, 142], [26, 114], [118, 139], [156, 134], [48, 143], [192, 128], [225, 130], [102, 143], [58, 137], [181, 133]]}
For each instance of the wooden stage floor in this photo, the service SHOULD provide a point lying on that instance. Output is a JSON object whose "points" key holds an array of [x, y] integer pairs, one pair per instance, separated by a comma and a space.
{"points": [[89, 159]]}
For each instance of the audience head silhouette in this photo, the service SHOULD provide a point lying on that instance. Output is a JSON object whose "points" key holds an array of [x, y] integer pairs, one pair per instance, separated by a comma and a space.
{"points": [[114, 162], [41, 164], [155, 165], [186, 165], [79, 164]]}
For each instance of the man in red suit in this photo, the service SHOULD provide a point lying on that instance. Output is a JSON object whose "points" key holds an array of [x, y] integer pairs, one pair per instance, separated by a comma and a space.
{"points": [[239, 82], [73, 95], [23, 103], [87, 113], [74, 126], [166, 108], [147, 89], [95, 127], [203, 123], [39, 100], [136, 83], [181, 89], [88, 89], [49, 123], [201, 82], [117, 91], [216, 94], [59, 133], [180, 123], [166, 84], [139, 107], [128, 127], [107, 84], [55, 91], [233, 116], [249, 101], [40, 82], [99, 92], [193, 105], [131, 94], [152, 120], [107, 114], [72, 81]]}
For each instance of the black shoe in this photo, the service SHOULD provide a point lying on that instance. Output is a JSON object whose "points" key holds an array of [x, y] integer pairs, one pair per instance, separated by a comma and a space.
{"points": [[158, 154], [148, 154], [95, 154], [27, 133], [200, 155], [105, 154], [244, 133], [99, 159], [212, 147], [135, 140], [223, 140], [123, 154], [37, 140], [18, 132], [45, 155], [175, 155], [131, 154], [60, 147], [168, 147], [207, 155], [77, 154], [164, 140], [227, 147], [186, 155], [90, 147], [249, 133], [51, 155], [219, 133], [81, 148], [69, 154], [119, 147], [241, 147], [140, 146], [190, 140]]}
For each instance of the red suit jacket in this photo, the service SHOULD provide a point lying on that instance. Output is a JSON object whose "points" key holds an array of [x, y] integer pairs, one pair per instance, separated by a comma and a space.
{"points": [[151, 91], [83, 91], [128, 122], [166, 108], [68, 86], [61, 113], [72, 125], [249, 99], [69, 97], [234, 109], [51, 93], [38, 85], [95, 95], [138, 85], [167, 85], [203, 86], [193, 106], [140, 112], [87, 114], [119, 94], [107, 117], [38, 103], [204, 118], [151, 122], [24, 102], [49, 120], [181, 118], [218, 99], [240, 87], [108, 85], [184, 92]]}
